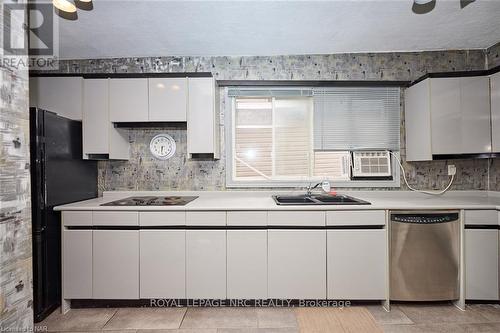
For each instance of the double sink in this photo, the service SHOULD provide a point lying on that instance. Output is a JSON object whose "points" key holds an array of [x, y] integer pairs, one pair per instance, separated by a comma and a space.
{"points": [[317, 200]]}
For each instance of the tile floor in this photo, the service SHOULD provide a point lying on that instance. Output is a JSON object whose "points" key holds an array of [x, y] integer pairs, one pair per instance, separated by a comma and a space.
{"points": [[372, 318]]}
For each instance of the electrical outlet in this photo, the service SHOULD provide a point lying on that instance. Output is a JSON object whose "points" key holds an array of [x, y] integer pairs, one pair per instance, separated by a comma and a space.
{"points": [[452, 170]]}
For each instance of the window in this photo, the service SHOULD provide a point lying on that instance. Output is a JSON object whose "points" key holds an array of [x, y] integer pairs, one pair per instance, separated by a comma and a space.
{"points": [[290, 137]]}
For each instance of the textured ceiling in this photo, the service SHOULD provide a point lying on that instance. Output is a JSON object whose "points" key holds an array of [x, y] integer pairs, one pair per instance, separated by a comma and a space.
{"points": [[160, 28]]}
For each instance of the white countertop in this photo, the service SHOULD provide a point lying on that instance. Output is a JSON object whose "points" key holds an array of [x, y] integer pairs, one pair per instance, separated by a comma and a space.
{"points": [[261, 200]]}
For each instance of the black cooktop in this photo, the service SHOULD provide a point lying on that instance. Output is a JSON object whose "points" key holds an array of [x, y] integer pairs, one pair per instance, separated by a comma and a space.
{"points": [[151, 201]]}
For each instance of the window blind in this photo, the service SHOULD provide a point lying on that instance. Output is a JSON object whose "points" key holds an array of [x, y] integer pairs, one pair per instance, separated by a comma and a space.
{"points": [[270, 92], [272, 137], [356, 118]]}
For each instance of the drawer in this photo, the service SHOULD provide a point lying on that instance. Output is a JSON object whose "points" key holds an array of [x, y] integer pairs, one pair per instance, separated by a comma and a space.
{"points": [[110, 218], [77, 218], [485, 217], [205, 218], [352, 217], [296, 218], [247, 218], [162, 218]]}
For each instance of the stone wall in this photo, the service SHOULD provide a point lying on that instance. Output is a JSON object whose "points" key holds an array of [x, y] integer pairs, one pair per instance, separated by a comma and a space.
{"points": [[145, 173], [16, 296]]}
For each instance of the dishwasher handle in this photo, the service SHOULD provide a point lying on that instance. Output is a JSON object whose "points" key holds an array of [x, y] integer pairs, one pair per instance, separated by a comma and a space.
{"points": [[424, 217]]}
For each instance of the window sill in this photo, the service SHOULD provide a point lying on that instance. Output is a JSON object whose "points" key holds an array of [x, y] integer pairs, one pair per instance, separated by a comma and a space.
{"points": [[395, 183]]}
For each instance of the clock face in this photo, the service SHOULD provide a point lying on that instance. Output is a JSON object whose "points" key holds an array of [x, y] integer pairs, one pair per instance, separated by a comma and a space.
{"points": [[162, 146]]}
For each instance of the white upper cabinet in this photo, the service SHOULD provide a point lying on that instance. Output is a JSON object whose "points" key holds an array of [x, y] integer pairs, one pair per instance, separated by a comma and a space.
{"points": [[62, 95], [418, 122], [102, 102], [95, 117], [128, 100], [168, 99], [446, 116], [99, 135], [203, 117], [476, 115], [495, 111]]}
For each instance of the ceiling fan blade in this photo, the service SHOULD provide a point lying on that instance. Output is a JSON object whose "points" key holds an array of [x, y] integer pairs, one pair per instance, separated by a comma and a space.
{"points": [[423, 7], [465, 3]]}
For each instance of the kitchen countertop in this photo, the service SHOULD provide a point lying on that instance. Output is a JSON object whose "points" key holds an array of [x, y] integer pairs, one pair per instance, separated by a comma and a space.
{"points": [[261, 200]]}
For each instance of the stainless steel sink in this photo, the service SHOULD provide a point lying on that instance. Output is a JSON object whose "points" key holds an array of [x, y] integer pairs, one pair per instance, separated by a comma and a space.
{"points": [[317, 200]]}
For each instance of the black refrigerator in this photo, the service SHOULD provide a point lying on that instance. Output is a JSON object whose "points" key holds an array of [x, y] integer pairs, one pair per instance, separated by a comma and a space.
{"points": [[59, 175]]}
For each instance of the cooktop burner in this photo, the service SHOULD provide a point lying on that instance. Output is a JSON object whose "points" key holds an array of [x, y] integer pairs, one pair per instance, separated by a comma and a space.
{"points": [[151, 201]]}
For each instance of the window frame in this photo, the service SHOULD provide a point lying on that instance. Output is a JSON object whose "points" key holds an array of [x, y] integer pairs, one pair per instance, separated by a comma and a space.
{"points": [[229, 145]]}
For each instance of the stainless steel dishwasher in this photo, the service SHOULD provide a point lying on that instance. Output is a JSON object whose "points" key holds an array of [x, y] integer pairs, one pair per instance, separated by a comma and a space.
{"points": [[424, 255]]}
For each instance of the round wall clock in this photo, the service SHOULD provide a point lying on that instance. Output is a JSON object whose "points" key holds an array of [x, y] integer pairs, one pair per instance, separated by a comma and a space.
{"points": [[162, 146]]}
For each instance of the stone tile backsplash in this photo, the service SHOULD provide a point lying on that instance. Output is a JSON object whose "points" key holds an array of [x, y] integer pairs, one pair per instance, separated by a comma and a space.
{"points": [[144, 172]]}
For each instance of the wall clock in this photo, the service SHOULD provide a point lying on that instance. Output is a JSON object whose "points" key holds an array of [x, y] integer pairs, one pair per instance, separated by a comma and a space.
{"points": [[162, 146]]}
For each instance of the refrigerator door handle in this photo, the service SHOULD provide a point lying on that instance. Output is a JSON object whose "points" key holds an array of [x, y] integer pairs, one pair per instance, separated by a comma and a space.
{"points": [[42, 185]]}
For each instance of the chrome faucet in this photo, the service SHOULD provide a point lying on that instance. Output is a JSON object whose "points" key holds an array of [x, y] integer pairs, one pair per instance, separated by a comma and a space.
{"points": [[325, 186]]}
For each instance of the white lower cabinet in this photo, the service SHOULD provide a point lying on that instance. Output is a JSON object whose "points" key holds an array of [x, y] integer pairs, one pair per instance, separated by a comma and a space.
{"points": [[77, 264], [115, 269], [206, 264], [247, 264], [297, 264], [481, 264], [357, 264], [162, 264]]}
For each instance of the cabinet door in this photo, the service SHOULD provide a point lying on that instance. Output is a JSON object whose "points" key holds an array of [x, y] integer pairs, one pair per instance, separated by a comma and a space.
{"points": [[62, 95], [418, 122], [115, 268], [201, 127], [481, 264], [297, 264], [95, 116], [357, 264], [247, 264], [495, 111], [77, 264], [162, 264], [206, 264], [167, 99], [475, 107], [446, 118], [128, 100], [99, 134]]}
